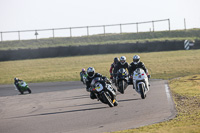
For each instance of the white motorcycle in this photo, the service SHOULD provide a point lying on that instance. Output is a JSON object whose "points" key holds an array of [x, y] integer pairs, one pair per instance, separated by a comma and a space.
{"points": [[141, 82]]}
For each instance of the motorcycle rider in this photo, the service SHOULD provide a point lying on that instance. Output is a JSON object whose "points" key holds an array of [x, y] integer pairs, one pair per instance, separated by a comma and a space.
{"points": [[137, 64], [91, 75], [83, 72], [116, 60], [121, 64], [16, 82]]}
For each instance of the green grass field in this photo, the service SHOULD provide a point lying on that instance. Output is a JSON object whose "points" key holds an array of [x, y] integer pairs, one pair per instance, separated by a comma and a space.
{"points": [[162, 65]]}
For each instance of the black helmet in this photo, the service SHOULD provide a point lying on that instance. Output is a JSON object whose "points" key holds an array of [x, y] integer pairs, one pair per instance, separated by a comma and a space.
{"points": [[116, 60], [90, 72], [136, 59]]}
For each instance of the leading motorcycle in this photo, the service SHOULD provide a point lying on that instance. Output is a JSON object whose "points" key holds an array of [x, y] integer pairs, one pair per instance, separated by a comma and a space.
{"points": [[103, 91], [141, 82]]}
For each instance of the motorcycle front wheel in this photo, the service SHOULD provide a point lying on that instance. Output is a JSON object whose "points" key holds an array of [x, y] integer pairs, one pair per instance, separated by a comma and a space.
{"points": [[121, 86], [107, 99], [141, 88]]}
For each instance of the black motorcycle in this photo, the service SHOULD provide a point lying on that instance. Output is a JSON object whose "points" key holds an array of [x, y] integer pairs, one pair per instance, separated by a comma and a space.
{"points": [[103, 91], [122, 80]]}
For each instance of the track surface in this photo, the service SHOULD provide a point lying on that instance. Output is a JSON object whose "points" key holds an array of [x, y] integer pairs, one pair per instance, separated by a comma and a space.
{"points": [[65, 107]]}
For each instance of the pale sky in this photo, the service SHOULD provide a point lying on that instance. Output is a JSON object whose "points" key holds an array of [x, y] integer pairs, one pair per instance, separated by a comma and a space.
{"points": [[47, 14]]}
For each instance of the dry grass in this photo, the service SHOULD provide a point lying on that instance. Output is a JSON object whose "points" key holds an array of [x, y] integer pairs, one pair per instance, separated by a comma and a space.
{"points": [[161, 65], [187, 100]]}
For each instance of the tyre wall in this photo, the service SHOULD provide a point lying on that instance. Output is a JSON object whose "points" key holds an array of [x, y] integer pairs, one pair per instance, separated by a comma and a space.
{"points": [[92, 50]]}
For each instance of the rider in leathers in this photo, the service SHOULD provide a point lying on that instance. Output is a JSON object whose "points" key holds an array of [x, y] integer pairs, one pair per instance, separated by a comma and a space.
{"points": [[83, 72], [113, 65], [91, 75], [136, 64], [121, 64], [16, 82]]}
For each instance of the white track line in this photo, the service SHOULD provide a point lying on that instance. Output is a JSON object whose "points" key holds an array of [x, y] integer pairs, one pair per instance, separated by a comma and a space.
{"points": [[168, 93]]}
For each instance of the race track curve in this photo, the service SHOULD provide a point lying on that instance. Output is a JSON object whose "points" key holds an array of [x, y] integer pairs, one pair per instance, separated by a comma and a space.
{"points": [[65, 107]]}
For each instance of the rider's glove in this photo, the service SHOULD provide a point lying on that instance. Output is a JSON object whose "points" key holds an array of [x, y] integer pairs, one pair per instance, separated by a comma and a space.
{"points": [[89, 89]]}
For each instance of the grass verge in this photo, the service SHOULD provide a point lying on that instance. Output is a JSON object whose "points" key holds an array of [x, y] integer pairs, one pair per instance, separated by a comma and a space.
{"points": [[186, 94]]}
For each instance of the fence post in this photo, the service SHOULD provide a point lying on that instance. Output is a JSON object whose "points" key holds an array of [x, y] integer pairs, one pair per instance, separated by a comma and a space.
{"points": [[120, 28], [153, 25], [137, 27], [185, 23], [1, 37], [87, 31], [169, 23], [36, 34], [53, 33], [70, 31], [19, 35], [104, 28]]}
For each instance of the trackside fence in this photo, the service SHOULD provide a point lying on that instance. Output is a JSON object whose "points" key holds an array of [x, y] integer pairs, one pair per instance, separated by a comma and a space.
{"points": [[70, 29]]}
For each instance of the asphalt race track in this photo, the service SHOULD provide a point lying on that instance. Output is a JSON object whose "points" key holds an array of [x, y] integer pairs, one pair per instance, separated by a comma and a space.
{"points": [[65, 107]]}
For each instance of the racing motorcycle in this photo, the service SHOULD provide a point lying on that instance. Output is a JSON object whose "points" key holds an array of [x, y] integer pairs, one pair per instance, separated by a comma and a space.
{"points": [[23, 87], [121, 80], [84, 77], [141, 82], [103, 93]]}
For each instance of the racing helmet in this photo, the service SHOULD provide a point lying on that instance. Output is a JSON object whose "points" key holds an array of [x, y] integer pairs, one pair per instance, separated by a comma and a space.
{"points": [[116, 60], [136, 59], [90, 72], [83, 70], [16, 79], [123, 60]]}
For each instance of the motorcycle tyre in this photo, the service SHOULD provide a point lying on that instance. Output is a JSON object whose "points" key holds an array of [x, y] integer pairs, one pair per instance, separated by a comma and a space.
{"points": [[21, 92], [29, 90], [107, 99], [115, 103], [121, 86], [142, 91]]}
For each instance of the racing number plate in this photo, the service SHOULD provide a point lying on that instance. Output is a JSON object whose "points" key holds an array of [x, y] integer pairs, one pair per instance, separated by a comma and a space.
{"points": [[99, 87]]}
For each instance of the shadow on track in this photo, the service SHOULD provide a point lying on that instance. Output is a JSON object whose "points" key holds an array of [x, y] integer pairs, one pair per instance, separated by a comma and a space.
{"points": [[54, 113], [125, 100], [120, 101], [73, 98]]}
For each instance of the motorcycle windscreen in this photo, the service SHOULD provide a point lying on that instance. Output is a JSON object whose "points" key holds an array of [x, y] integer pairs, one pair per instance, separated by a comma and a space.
{"points": [[23, 84]]}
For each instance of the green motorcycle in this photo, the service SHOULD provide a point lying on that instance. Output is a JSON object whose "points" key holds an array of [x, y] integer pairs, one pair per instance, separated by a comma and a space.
{"points": [[84, 77], [23, 87]]}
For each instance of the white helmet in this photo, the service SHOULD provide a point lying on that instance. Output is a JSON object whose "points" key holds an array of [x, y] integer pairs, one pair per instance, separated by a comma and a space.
{"points": [[123, 60], [90, 72], [136, 59]]}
